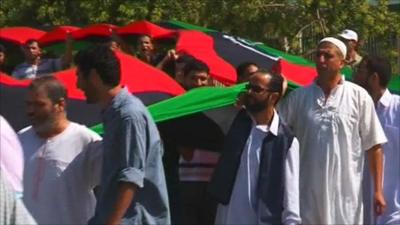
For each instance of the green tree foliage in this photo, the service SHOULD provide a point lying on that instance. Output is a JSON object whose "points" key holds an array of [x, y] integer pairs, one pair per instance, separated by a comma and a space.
{"points": [[291, 25]]}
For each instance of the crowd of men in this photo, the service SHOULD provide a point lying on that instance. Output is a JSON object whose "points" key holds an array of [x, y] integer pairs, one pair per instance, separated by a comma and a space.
{"points": [[326, 153]]}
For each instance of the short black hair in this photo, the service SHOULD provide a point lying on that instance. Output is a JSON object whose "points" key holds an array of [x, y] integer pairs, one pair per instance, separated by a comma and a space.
{"points": [[102, 59], [2, 48], [240, 70], [55, 90], [30, 41], [185, 59], [195, 65], [381, 66], [276, 82]]}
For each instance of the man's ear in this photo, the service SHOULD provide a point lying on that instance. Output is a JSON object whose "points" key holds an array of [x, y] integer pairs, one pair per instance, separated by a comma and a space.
{"points": [[94, 77], [61, 105], [274, 97], [373, 79]]}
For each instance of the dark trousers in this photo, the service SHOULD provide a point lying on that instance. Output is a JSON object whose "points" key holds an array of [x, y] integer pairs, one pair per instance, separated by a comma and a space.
{"points": [[198, 208]]}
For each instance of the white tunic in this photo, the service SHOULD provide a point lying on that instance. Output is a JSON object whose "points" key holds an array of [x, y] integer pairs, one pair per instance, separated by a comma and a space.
{"points": [[388, 109], [242, 205], [60, 174], [333, 135]]}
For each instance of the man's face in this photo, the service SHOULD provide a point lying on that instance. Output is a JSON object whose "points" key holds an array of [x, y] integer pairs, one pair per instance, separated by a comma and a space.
{"points": [[87, 86], [360, 76], [257, 98], [247, 73], [328, 59], [32, 51], [196, 79], [145, 44], [41, 111], [2, 58], [114, 46]]}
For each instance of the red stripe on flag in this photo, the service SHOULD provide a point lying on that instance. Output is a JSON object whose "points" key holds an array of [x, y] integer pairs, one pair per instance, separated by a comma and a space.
{"points": [[301, 75], [201, 46]]}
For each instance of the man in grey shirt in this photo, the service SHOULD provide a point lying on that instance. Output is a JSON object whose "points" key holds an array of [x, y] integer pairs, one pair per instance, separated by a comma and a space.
{"points": [[133, 189]]}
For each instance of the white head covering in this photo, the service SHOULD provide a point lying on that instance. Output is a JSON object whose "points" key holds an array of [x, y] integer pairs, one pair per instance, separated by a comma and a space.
{"points": [[349, 35], [338, 43]]}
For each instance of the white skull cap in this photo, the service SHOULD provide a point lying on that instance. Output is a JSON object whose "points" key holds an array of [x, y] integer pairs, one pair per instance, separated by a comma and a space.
{"points": [[338, 43]]}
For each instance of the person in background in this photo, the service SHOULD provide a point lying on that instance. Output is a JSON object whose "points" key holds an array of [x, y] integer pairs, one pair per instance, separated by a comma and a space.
{"points": [[195, 74], [374, 74], [133, 188], [147, 52], [336, 124], [35, 65], [62, 158], [180, 64], [244, 71], [2, 57], [196, 164], [350, 38], [258, 171]]}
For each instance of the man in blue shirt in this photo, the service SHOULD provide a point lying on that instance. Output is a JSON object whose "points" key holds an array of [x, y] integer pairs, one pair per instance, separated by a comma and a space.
{"points": [[133, 189]]}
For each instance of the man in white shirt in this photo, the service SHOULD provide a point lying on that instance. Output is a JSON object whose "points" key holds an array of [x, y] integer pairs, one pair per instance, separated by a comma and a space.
{"points": [[35, 65], [335, 122], [374, 74], [256, 180], [62, 158]]}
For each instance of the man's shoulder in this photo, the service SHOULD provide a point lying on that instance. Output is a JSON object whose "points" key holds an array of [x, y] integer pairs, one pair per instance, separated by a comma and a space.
{"points": [[356, 89], [132, 107], [20, 69], [301, 91], [84, 131]]}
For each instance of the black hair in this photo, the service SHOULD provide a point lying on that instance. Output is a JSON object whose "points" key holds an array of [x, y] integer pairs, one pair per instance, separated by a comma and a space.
{"points": [[103, 60], [185, 59], [54, 89], [241, 69], [381, 66], [195, 65], [30, 41], [276, 82], [2, 48]]}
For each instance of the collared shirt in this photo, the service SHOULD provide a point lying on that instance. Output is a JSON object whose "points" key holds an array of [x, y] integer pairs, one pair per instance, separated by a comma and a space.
{"points": [[60, 174], [133, 154], [388, 109], [334, 133], [11, 156], [244, 195], [30, 71]]}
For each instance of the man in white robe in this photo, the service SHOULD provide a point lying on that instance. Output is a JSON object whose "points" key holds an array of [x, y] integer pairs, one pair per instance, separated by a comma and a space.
{"points": [[374, 74], [62, 158], [335, 122]]}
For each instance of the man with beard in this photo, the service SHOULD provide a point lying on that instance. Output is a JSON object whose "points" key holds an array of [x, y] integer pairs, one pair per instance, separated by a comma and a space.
{"points": [[336, 124], [62, 158], [374, 74], [256, 180]]}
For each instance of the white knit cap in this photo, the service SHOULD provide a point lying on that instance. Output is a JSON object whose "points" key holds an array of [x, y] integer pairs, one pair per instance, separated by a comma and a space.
{"points": [[349, 35], [338, 43]]}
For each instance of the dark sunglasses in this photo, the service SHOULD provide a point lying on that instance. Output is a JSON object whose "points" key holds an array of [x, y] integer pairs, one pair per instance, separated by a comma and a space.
{"points": [[255, 88]]}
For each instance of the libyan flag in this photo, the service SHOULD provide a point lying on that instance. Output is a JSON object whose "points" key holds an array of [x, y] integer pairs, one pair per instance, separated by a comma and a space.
{"points": [[297, 70]]}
